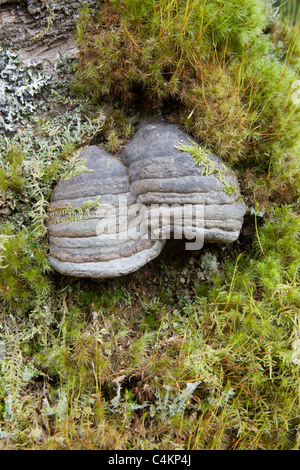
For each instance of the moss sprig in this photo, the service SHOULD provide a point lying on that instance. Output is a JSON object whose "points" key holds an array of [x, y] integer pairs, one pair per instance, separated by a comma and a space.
{"points": [[57, 215], [202, 159]]}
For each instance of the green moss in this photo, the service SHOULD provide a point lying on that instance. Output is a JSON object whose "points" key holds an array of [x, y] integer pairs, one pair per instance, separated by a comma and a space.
{"points": [[197, 351], [231, 86], [78, 169], [12, 171], [57, 215], [209, 167], [24, 265]]}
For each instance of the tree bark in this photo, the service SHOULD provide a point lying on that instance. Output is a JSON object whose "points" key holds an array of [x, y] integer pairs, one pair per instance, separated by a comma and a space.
{"points": [[40, 30]]}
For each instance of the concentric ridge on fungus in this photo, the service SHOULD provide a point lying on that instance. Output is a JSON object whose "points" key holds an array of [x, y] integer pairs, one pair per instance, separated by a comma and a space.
{"points": [[153, 171]]}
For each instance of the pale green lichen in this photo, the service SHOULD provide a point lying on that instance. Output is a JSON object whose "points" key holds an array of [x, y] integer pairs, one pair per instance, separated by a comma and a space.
{"points": [[20, 87], [202, 159]]}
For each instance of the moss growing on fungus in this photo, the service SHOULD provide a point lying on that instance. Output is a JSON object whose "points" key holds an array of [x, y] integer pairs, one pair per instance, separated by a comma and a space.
{"points": [[209, 167], [78, 169], [67, 214]]}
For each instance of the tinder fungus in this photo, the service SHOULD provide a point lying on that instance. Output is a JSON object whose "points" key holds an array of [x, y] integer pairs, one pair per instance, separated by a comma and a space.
{"points": [[162, 174], [95, 229], [110, 216]]}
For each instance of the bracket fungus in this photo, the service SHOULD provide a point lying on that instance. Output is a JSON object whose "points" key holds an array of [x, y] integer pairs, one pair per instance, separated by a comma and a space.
{"points": [[111, 216]]}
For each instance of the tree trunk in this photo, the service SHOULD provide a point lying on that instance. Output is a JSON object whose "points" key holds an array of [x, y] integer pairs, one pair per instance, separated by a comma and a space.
{"points": [[39, 30], [34, 36]]}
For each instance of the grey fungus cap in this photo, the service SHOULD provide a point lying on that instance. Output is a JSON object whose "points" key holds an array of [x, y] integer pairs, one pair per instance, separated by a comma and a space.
{"points": [[110, 216]]}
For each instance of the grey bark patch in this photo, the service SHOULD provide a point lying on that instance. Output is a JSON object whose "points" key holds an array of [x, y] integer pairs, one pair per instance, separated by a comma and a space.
{"points": [[41, 32]]}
